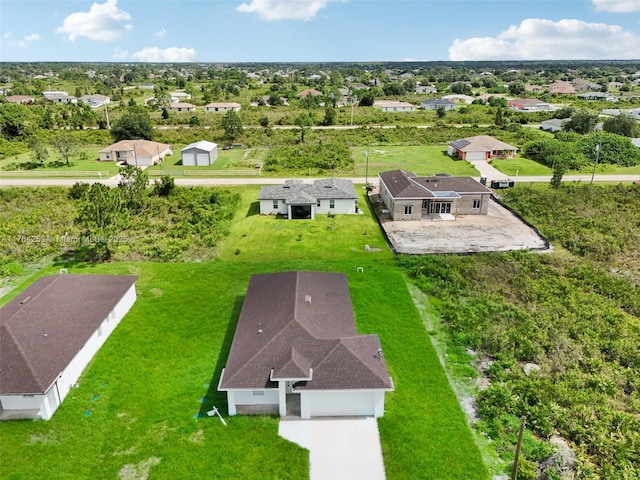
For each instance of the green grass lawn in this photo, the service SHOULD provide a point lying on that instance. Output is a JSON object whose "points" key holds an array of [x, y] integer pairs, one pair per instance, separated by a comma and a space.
{"points": [[422, 160], [76, 164], [141, 400], [519, 166], [235, 159]]}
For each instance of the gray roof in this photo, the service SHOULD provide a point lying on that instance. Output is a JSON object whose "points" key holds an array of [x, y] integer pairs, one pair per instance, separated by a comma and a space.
{"points": [[298, 193], [403, 184], [438, 101], [300, 326], [47, 324]]}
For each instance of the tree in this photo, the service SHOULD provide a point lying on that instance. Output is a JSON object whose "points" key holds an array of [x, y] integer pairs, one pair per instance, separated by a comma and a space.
{"points": [[559, 169], [441, 112], [622, 124], [232, 125], [101, 214], [304, 121], [133, 186], [517, 88], [366, 100], [329, 116], [581, 122], [134, 124], [39, 152], [66, 145], [164, 186]]}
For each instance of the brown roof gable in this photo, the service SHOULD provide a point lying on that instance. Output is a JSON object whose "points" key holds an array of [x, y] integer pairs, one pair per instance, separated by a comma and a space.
{"points": [[47, 324], [300, 325]]}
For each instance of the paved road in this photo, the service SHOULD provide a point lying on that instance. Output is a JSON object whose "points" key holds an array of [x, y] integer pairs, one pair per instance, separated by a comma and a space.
{"points": [[67, 182]]}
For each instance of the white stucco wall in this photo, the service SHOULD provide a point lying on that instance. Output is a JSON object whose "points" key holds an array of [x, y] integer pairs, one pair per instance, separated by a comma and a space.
{"points": [[341, 403], [341, 206], [250, 397], [266, 207]]}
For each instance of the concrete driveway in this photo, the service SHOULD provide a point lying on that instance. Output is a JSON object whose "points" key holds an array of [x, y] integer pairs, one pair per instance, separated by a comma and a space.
{"points": [[339, 448]]}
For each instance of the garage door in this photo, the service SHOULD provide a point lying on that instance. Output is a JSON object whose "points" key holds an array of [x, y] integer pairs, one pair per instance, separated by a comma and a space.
{"points": [[188, 159], [202, 159]]}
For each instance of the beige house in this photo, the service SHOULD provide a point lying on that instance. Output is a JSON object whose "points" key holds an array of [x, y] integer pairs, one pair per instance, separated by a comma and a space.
{"points": [[222, 107], [140, 153], [409, 197], [182, 107], [20, 99], [480, 147], [394, 106]]}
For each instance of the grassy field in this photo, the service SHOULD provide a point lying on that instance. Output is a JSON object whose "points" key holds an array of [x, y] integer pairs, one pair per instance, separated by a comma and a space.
{"points": [[89, 164], [422, 160], [525, 167], [139, 404]]}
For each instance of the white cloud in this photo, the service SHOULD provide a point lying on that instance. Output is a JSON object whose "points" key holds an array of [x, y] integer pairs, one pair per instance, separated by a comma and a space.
{"points": [[540, 39], [617, 6], [25, 41], [160, 33], [7, 35], [103, 21], [120, 54], [284, 9], [173, 54]]}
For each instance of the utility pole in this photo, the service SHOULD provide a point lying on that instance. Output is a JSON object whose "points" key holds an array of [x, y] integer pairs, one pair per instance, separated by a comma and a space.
{"points": [[595, 163], [106, 112], [366, 171], [516, 460]]}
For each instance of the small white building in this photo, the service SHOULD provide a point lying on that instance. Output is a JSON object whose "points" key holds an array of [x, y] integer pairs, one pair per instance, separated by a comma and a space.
{"points": [[394, 106], [296, 351], [50, 332], [222, 107], [298, 200], [95, 101], [182, 107], [200, 153], [177, 97]]}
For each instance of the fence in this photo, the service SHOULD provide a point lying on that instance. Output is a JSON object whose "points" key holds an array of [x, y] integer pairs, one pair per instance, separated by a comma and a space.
{"points": [[57, 173], [206, 173]]}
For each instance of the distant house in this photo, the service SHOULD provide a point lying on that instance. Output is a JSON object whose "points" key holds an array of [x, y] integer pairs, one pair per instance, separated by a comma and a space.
{"points": [[50, 332], [436, 103], [140, 153], [394, 106], [178, 97], [480, 147], [409, 197], [425, 89], [553, 125], [62, 98], [561, 87], [20, 99], [146, 86], [182, 107], [459, 98], [298, 200], [635, 113], [54, 93], [200, 153], [222, 107], [96, 100], [602, 96], [296, 351], [309, 92], [529, 105]]}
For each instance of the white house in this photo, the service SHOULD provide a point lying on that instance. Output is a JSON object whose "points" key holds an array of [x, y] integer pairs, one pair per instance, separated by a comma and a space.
{"points": [[140, 153], [178, 97], [298, 200], [436, 103], [222, 107], [394, 106], [553, 124], [59, 98], [50, 332], [182, 107], [96, 100], [296, 352], [199, 153]]}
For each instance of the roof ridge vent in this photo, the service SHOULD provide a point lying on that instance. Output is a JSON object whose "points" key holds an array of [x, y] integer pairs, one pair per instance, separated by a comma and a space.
{"points": [[307, 298], [22, 302]]}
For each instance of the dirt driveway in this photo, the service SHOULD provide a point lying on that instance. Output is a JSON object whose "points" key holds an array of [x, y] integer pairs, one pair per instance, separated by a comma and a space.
{"points": [[499, 230]]}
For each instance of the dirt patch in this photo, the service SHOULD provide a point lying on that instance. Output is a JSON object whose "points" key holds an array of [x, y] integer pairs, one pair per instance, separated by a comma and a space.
{"points": [[498, 231], [197, 437], [139, 471]]}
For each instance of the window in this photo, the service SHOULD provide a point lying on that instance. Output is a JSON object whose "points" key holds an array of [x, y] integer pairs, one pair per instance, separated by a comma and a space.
{"points": [[332, 204], [408, 209], [275, 204], [476, 204], [318, 203], [425, 204], [258, 392]]}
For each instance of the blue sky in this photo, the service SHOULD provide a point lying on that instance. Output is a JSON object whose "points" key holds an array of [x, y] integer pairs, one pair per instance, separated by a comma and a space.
{"points": [[317, 30]]}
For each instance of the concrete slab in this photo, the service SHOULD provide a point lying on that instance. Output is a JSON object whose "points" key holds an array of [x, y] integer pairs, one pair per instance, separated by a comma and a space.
{"points": [[500, 230], [339, 449]]}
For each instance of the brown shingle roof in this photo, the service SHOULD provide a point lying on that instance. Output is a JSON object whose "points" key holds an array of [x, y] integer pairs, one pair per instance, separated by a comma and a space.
{"points": [[301, 324], [403, 184], [45, 326]]}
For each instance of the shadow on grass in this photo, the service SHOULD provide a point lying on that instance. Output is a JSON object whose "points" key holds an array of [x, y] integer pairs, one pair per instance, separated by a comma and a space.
{"points": [[213, 396], [254, 209]]}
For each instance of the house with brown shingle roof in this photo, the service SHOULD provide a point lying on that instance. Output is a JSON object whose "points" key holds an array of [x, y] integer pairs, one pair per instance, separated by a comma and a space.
{"points": [[309, 91], [480, 147], [50, 332], [20, 99], [135, 152], [296, 351], [561, 87], [409, 197]]}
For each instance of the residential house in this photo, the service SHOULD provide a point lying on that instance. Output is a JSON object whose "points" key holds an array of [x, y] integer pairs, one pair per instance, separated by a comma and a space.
{"points": [[425, 89], [394, 106], [459, 98], [62, 98], [146, 86], [95, 101], [529, 105], [182, 107], [200, 153], [296, 351], [436, 103], [140, 153], [222, 107], [20, 99], [50, 332], [602, 96], [561, 87], [480, 147], [177, 97], [309, 91], [553, 125], [409, 197], [298, 200]]}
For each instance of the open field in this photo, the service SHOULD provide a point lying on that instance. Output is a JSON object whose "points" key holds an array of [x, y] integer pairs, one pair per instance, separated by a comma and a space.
{"points": [[84, 161]]}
